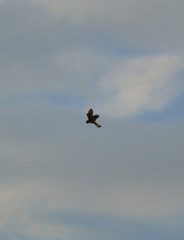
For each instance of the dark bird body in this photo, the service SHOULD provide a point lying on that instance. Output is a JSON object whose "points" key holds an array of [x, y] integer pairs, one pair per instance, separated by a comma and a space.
{"points": [[92, 118]]}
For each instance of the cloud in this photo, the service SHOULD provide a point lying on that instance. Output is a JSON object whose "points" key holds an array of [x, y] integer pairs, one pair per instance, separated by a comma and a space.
{"points": [[89, 225], [76, 54], [63, 179], [53, 155], [51, 164], [140, 85], [44, 55], [142, 24]]}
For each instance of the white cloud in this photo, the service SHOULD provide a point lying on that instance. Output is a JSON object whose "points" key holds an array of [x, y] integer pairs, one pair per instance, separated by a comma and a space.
{"points": [[51, 161], [66, 56], [139, 85]]}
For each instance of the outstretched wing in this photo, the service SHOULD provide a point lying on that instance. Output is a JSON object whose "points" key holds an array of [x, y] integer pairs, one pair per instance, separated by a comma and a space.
{"points": [[90, 113], [96, 116]]}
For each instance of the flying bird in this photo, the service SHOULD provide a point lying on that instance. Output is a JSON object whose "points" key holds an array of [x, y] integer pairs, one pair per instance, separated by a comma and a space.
{"points": [[92, 118]]}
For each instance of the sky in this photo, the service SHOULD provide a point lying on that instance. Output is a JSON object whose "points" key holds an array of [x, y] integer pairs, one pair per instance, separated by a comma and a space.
{"points": [[63, 179]]}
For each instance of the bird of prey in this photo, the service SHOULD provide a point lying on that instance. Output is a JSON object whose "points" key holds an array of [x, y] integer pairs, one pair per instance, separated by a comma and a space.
{"points": [[92, 118]]}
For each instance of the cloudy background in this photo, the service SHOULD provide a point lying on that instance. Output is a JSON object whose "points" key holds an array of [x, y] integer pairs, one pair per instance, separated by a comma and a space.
{"points": [[61, 179]]}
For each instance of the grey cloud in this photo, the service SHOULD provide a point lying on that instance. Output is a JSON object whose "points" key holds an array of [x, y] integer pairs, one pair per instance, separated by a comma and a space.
{"points": [[120, 158], [43, 52], [90, 226], [141, 23], [32, 41], [48, 155]]}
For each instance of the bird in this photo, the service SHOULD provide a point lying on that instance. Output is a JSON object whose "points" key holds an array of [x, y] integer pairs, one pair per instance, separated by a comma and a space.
{"points": [[92, 118]]}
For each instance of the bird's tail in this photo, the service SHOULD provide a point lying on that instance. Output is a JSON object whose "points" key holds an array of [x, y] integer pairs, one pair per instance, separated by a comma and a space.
{"points": [[98, 125]]}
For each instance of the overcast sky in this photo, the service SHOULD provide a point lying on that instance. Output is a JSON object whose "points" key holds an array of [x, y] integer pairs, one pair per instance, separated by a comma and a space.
{"points": [[61, 179]]}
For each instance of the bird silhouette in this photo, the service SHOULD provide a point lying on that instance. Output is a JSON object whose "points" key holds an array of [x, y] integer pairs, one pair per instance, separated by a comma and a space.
{"points": [[92, 118]]}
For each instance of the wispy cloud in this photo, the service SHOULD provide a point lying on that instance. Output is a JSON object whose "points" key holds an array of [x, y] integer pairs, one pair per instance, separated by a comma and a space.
{"points": [[61, 178], [139, 85], [69, 54]]}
